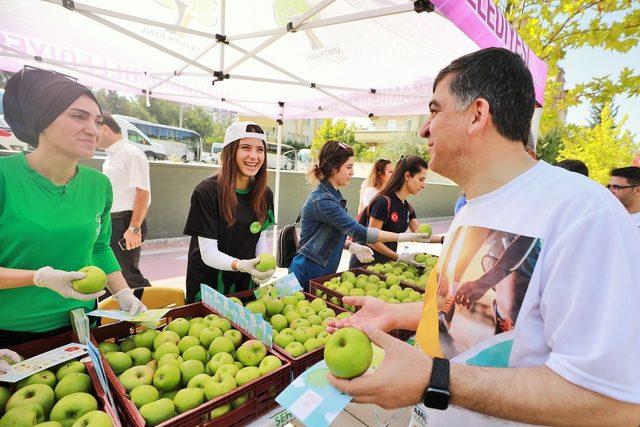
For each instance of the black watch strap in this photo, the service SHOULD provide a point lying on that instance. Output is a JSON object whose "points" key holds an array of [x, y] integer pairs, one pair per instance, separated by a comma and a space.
{"points": [[437, 393]]}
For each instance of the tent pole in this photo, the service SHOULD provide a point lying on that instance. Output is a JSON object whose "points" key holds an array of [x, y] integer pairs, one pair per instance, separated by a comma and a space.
{"points": [[276, 198], [222, 27]]}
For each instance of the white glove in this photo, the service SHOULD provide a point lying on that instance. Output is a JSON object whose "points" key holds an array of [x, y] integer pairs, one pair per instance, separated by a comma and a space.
{"points": [[408, 259], [414, 237], [362, 252], [60, 282], [128, 302], [8, 354], [249, 266]]}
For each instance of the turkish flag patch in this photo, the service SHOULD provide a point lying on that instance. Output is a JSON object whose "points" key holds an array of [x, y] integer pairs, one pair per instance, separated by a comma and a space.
{"points": [[394, 216]]}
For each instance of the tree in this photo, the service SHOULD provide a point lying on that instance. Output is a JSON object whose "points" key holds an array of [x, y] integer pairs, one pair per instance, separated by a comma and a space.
{"points": [[549, 145], [602, 147], [552, 28], [338, 131], [404, 144], [595, 112], [198, 120]]}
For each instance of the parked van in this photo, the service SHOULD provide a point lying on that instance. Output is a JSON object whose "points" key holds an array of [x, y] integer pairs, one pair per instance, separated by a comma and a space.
{"points": [[216, 152]]}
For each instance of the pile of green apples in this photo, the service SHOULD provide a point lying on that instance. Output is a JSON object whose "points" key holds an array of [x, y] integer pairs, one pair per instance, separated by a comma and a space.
{"points": [[298, 324], [188, 363], [402, 272], [57, 397], [388, 290]]}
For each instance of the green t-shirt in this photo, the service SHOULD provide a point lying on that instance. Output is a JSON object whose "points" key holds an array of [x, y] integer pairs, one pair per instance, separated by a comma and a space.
{"points": [[42, 224]]}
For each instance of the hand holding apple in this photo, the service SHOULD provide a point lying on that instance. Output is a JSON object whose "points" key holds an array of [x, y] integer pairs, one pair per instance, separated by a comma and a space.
{"points": [[373, 311], [391, 385], [61, 282]]}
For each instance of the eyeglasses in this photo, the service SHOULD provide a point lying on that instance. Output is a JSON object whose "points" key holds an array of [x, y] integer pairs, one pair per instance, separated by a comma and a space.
{"points": [[620, 187]]}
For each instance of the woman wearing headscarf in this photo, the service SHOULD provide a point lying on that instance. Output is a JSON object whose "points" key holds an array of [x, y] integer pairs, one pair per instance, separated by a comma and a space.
{"points": [[54, 214]]}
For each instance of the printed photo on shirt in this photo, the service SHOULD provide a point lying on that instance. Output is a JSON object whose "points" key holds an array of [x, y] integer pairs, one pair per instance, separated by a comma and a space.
{"points": [[482, 280]]}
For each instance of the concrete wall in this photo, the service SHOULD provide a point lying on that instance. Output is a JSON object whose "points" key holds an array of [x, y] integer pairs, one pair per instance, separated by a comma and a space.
{"points": [[173, 183]]}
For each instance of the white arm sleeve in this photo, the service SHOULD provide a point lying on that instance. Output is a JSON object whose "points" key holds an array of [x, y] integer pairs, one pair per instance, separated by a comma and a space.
{"points": [[261, 246], [212, 256]]}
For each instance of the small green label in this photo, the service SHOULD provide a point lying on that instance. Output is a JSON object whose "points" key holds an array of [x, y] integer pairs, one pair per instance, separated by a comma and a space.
{"points": [[255, 227]]}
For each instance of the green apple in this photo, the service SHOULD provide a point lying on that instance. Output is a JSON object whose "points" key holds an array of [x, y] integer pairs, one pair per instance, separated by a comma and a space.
{"points": [[287, 331], [279, 322], [107, 346], [236, 300], [208, 335], [195, 320], [335, 300], [425, 228], [238, 364], [235, 336], [274, 306], [195, 353], [25, 415], [238, 402], [289, 300], [306, 311], [357, 292], [393, 301], [299, 323], [218, 360], [282, 340], [229, 369], [165, 337], [189, 369], [219, 385], [326, 321], [295, 349], [318, 305], [180, 326], [39, 394], [43, 377], [140, 356], [5, 394], [153, 364], [223, 324], [187, 399], [94, 419], [135, 376], [169, 394], [199, 381], [246, 375], [316, 329], [127, 344], [267, 262], [251, 353], [302, 334], [314, 319], [94, 281], [268, 364], [371, 293], [70, 368], [220, 411], [256, 307], [221, 345], [145, 338], [292, 315], [170, 359], [348, 353], [71, 407], [157, 412], [311, 344], [288, 308], [343, 315], [49, 424], [166, 378], [73, 383], [144, 394], [166, 348], [323, 337], [303, 303], [186, 342], [196, 329], [299, 295]]}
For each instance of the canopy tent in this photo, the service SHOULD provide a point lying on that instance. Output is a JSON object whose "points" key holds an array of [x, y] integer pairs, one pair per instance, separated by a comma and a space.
{"points": [[283, 59]]}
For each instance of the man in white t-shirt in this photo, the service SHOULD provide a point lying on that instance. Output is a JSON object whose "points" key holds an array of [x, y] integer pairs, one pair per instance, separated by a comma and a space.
{"points": [[128, 170], [624, 183], [541, 266]]}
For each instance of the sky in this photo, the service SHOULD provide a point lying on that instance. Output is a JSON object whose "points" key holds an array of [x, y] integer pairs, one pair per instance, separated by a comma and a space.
{"points": [[583, 64]]}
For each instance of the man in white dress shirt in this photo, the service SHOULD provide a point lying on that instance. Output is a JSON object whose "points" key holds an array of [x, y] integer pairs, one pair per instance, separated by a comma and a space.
{"points": [[624, 183], [128, 170]]}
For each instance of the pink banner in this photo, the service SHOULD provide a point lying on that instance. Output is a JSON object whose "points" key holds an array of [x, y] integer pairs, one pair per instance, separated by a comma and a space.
{"points": [[483, 23]]}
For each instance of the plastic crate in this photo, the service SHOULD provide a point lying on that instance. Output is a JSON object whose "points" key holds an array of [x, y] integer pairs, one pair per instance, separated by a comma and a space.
{"points": [[33, 348], [316, 286], [307, 360], [262, 391]]}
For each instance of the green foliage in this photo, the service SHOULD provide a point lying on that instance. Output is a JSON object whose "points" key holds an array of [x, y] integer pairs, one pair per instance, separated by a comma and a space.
{"points": [[403, 144], [595, 112], [338, 131], [602, 147], [549, 145]]}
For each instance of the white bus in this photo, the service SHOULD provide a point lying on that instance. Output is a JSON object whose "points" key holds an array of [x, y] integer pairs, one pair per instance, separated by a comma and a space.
{"points": [[180, 143], [287, 155]]}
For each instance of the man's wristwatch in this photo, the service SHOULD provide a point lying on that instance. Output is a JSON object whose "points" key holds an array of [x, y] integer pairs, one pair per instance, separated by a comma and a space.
{"points": [[136, 230], [437, 394]]}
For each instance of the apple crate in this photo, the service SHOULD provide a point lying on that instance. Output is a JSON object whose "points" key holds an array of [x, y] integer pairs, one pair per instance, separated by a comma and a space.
{"points": [[316, 287], [33, 348], [301, 363], [261, 392], [402, 283]]}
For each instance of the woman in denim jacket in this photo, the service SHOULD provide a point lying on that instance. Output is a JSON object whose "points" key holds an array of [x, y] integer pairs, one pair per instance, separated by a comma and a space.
{"points": [[325, 223]]}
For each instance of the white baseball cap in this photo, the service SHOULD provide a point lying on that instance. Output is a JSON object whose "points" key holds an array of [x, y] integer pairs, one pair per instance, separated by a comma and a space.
{"points": [[238, 130]]}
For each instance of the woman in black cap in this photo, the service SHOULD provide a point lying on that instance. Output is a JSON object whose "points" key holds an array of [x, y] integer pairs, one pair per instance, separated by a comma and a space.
{"points": [[54, 214]]}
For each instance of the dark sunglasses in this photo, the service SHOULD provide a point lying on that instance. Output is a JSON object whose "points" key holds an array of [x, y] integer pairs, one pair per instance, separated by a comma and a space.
{"points": [[620, 187]]}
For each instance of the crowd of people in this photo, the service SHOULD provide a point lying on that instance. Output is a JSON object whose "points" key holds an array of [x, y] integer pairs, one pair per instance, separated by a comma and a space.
{"points": [[552, 252]]}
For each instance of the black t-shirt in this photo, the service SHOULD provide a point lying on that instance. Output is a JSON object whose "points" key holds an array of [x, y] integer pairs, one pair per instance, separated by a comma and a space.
{"points": [[395, 216], [205, 220]]}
